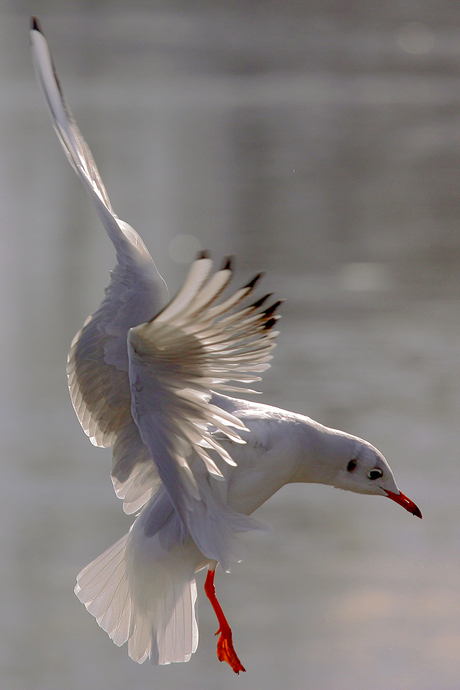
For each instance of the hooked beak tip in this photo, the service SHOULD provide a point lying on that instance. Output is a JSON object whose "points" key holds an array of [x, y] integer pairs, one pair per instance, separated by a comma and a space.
{"points": [[405, 502]]}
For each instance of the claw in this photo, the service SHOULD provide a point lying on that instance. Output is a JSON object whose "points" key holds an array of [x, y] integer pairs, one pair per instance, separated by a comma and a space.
{"points": [[226, 651]]}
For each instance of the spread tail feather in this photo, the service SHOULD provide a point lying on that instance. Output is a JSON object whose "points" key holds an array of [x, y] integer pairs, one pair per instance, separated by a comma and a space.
{"points": [[144, 594]]}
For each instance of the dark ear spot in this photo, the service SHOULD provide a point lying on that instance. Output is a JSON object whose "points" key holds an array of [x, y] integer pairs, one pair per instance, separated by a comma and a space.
{"points": [[352, 465]]}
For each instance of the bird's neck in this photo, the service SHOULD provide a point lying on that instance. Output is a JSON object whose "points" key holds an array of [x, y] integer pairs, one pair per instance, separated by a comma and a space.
{"points": [[320, 453], [281, 448]]}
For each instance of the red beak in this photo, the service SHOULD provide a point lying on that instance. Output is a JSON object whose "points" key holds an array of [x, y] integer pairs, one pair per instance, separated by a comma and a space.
{"points": [[404, 502]]}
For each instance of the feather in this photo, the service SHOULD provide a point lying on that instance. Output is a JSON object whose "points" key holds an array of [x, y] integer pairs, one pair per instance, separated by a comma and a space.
{"points": [[143, 592]]}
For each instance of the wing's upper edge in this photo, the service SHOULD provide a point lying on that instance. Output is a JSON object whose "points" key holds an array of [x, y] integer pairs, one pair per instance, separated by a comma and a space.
{"points": [[123, 236], [66, 128]]}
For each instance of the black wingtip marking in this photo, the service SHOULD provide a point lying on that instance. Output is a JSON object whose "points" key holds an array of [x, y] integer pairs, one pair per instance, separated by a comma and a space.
{"points": [[202, 255], [252, 283], [228, 264], [273, 308], [261, 300], [34, 24], [270, 323]]}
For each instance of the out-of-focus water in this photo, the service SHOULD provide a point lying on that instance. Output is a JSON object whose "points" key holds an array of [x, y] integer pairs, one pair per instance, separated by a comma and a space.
{"points": [[323, 146]]}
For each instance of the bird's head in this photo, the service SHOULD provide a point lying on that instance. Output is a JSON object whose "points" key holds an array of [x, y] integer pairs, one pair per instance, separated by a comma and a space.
{"points": [[363, 469]]}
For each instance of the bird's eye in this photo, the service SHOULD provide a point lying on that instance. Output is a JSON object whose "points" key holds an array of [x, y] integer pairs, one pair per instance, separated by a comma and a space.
{"points": [[376, 473], [351, 465]]}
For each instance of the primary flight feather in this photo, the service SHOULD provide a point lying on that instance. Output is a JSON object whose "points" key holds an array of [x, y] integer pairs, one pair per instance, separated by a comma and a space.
{"points": [[146, 378]]}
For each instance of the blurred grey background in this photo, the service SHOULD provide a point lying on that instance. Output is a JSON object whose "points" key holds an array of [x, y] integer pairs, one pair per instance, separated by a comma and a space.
{"points": [[319, 141]]}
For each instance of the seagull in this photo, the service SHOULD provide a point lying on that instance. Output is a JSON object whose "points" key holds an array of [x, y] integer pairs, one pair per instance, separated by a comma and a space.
{"points": [[149, 377]]}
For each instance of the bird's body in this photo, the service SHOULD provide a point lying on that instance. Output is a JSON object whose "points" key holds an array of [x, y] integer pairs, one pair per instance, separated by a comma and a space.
{"points": [[147, 378]]}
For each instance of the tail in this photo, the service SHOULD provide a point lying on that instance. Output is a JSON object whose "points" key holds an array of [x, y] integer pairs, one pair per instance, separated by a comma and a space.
{"points": [[143, 593]]}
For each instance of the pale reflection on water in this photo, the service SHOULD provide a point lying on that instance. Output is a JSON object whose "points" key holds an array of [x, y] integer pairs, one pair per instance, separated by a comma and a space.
{"points": [[327, 153]]}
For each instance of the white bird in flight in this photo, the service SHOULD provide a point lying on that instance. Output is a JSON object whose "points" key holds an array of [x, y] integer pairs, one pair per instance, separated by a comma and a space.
{"points": [[144, 377]]}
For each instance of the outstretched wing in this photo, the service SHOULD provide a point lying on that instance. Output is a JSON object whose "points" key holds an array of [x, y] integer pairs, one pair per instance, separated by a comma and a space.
{"points": [[175, 362], [98, 360], [153, 405]]}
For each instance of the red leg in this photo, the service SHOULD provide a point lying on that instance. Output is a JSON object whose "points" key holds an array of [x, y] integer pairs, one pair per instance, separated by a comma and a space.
{"points": [[225, 651]]}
